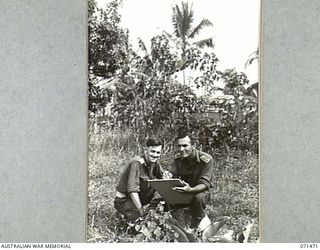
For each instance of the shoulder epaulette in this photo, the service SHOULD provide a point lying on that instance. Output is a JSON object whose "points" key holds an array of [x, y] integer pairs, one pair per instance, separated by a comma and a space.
{"points": [[206, 158]]}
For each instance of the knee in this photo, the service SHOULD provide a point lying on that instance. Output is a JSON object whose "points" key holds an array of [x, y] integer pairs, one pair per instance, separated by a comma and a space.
{"points": [[132, 215], [201, 198]]}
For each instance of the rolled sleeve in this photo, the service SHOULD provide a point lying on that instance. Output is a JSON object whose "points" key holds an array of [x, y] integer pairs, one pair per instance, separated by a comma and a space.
{"points": [[133, 184], [206, 175]]}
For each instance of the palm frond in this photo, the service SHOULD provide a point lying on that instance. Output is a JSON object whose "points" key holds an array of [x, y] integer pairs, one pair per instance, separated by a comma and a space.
{"points": [[176, 20], [142, 46], [204, 23], [182, 20], [205, 42], [167, 34], [187, 19], [252, 57]]}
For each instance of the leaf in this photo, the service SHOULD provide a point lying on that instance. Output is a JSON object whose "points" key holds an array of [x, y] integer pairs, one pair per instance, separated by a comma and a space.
{"points": [[146, 232], [179, 234], [137, 228], [157, 231], [130, 225], [213, 229]]}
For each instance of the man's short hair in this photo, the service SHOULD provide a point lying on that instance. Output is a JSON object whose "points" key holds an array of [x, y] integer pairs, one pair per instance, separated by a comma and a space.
{"points": [[151, 142], [184, 132]]}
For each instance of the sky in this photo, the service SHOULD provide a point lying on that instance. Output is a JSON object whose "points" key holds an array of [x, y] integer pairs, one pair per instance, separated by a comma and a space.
{"points": [[235, 30]]}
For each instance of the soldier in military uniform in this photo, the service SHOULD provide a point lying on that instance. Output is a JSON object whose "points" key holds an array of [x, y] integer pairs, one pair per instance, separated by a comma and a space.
{"points": [[195, 168], [133, 191]]}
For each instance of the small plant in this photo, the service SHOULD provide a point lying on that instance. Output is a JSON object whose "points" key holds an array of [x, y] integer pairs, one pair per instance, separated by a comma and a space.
{"points": [[155, 226], [160, 226]]}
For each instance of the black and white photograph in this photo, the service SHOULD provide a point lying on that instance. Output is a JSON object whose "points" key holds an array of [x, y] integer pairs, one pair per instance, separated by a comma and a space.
{"points": [[173, 121]]}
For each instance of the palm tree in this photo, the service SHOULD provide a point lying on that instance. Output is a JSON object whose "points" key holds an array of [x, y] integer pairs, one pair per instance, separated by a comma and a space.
{"points": [[184, 30], [253, 88], [182, 20], [252, 57]]}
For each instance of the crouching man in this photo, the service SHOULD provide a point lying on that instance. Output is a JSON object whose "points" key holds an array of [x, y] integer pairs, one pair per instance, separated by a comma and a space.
{"points": [[133, 191], [195, 168]]}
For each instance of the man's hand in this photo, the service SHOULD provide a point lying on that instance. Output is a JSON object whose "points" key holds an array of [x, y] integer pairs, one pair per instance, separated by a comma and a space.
{"points": [[142, 212], [193, 190], [184, 189], [166, 175]]}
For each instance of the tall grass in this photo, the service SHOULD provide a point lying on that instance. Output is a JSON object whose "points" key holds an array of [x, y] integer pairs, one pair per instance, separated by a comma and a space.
{"points": [[235, 191]]}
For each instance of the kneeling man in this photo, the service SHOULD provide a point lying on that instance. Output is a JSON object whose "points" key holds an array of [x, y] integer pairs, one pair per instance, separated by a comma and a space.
{"points": [[133, 190], [195, 168]]}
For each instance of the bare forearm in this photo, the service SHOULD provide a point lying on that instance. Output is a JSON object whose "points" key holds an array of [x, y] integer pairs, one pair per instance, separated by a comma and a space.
{"points": [[197, 189], [136, 201], [191, 190]]}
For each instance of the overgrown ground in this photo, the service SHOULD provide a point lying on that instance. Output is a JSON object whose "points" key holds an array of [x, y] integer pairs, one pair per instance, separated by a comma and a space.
{"points": [[235, 192]]}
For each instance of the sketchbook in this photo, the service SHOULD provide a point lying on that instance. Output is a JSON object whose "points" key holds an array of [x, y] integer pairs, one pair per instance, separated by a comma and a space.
{"points": [[164, 188]]}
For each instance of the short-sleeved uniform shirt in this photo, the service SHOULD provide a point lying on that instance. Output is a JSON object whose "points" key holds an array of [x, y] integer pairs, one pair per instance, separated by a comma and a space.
{"points": [[196, 169], [134, 178]]}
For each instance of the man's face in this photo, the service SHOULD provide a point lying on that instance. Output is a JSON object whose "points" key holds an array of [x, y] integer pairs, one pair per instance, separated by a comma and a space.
{"points": [[153, 153], [184, 147]]}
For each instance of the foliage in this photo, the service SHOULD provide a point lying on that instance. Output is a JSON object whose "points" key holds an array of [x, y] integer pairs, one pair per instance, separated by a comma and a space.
{"points": [[184, 31], [252, 57], [238, 125], [155, 226], [108, 50], [182, 21], [207, 65], [148, 100]]}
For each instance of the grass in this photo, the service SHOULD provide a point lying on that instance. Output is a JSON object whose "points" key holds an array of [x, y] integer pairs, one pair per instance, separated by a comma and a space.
{"points": [[235, 191]]}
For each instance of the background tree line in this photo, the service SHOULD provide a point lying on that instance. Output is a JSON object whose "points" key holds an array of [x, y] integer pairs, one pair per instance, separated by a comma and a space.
{"points": [[139, 91]]}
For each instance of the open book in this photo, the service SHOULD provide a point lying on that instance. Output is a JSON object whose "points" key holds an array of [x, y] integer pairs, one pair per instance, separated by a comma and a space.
{"points": [[164, 188]]}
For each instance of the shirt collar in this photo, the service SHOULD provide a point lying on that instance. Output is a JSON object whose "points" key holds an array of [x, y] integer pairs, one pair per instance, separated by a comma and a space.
{"points": [[197, 155]]}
